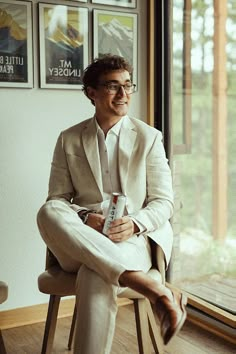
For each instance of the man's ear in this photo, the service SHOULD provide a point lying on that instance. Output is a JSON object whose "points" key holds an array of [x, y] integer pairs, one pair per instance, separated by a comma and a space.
{"points": [[91, 92]]}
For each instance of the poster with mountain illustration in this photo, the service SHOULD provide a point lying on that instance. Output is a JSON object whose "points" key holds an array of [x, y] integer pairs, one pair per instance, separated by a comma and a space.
{"points": [[63, 39], [116, 33], [16, 61]]}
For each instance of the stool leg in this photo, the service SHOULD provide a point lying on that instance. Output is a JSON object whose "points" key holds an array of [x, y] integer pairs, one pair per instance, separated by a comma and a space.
{"points": [[2, 346], [141, 318], [154, 330], [50, 325], [72, 329]]}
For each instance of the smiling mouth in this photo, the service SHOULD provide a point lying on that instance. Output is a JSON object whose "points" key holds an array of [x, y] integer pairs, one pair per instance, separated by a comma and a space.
{"points": [[120, 103]]}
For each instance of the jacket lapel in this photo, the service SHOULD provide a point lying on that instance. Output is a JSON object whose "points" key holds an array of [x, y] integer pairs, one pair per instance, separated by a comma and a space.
{"points": [[89, 138], [126, 144]]}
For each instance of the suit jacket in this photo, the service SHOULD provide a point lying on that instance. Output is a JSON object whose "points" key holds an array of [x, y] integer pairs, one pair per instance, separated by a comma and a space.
{"points": [[143, 168]]}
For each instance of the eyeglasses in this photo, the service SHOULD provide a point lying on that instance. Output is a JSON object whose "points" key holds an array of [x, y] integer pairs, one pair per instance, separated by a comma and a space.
{"points": [[113, 88]]}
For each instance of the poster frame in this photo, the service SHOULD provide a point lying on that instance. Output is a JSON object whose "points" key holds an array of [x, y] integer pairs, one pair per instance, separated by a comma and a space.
{"points": [[120, 3], [132, 57], [9, 62], [69, 81]]}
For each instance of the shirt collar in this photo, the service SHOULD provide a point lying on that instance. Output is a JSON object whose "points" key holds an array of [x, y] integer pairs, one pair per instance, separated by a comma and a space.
{"points": [[115, 129]]}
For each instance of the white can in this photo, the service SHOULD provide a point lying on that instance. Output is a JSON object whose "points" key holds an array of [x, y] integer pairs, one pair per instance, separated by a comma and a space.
{"points": [[115, 211]]}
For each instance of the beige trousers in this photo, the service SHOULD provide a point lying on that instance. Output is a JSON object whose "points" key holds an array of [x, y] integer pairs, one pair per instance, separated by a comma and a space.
{"points": [[99, 263]]}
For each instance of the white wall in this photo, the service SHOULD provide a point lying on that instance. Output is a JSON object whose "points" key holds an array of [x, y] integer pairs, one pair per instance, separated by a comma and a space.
{"points": [[30, 121]]}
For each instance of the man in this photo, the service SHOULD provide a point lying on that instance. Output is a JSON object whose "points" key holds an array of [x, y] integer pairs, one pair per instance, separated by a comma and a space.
{"points": [[108, 153]]}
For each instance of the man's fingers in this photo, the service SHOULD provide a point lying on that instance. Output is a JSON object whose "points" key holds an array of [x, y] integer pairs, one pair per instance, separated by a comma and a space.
{"points": [[121, 229]]}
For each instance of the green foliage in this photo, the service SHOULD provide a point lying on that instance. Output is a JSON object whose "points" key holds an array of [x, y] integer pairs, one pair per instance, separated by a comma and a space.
{"points": [[210, 256]]}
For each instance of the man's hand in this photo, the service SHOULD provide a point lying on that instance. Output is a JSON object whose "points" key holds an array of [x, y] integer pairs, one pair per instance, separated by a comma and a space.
{"points": [[96, 221], [122, 229]]}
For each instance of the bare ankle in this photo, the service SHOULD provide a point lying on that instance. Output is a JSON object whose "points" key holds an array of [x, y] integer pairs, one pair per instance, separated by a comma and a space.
{"points": [[145, 285]]}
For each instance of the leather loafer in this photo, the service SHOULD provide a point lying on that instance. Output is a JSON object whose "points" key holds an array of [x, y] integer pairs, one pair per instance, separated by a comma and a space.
{"points": [[171, 314]]}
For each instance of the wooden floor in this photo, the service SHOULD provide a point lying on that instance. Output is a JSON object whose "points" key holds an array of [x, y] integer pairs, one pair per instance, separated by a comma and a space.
{"points": [[191, 340]]}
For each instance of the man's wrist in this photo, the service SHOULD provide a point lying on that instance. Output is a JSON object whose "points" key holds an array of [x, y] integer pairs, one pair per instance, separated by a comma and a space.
{"points": [[83, 214], [136, 228]]}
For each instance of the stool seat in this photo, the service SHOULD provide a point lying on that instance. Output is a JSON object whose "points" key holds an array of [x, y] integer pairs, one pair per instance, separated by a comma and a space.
{"points": [[58, 282]]}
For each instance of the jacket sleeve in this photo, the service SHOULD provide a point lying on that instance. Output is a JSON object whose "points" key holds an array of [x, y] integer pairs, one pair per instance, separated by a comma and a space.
{"points": [[159, 205], [60, 183]]}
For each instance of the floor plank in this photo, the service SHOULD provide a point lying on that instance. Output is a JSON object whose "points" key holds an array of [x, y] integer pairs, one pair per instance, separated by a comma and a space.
{"points": [[191, 340]]}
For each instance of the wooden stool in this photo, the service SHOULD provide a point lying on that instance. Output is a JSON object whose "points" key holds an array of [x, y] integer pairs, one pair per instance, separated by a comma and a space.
{"points": [[3, 297]]}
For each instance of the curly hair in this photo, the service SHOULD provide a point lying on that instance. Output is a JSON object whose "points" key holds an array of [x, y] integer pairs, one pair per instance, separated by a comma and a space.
{"points": [[102, 65]]}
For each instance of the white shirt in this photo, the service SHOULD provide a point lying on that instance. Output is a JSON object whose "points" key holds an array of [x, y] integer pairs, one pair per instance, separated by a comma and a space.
{"points": [[108, 150]]}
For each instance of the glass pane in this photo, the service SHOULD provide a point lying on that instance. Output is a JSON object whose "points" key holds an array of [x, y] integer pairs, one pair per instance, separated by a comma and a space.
{"points": [[204, 261], [178, 72]]}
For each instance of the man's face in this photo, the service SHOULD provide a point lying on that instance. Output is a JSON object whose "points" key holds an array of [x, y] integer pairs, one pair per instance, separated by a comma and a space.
{"points": [[111, 104]]}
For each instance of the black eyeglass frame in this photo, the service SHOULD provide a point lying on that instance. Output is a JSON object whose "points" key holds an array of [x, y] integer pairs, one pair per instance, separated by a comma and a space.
{"points": [[107, 84]]}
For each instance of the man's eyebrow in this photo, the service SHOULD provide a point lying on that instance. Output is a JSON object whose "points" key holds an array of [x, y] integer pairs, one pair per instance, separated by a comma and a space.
{"points": [[115, 81]]}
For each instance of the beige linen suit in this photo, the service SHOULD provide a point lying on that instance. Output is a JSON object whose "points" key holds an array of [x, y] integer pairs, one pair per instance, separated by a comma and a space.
{"points": [[75, 184]]}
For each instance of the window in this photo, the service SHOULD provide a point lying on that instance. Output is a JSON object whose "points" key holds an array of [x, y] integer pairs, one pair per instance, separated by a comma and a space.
{"points": [[204, 149]]}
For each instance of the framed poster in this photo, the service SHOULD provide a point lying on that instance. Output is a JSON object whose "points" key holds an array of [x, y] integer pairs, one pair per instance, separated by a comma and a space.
{"points": [[123, 3], [63, 44], [16, 54], [116, 33]]}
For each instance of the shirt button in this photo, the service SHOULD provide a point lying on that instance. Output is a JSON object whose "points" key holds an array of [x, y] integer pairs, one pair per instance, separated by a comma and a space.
{"points": [[107, 171]]}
